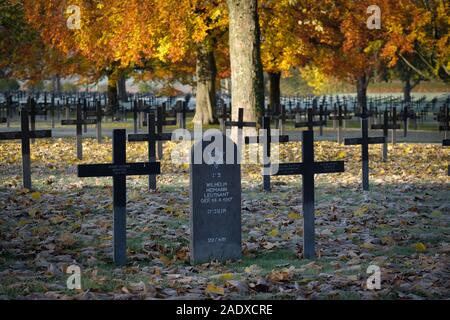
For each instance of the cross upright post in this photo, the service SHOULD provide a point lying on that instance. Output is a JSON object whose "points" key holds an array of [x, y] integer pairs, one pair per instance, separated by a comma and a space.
{"points": [[310, 123], [446, 143], [265, 139], [364, 141], [308, 169], [79, 122], [25, 135], [151, 137], [119, 170]]}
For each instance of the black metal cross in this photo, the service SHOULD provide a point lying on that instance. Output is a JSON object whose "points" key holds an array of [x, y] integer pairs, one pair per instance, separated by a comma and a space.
{"points": [[79, 122], [385, 127], [308, 168], [444, 119], [25, 135], [119, 170], [265, 139], [394, 124], [240, 124], [339, 116], [310, 123], [446, 143], [151, 137], [33, 111], [98, 114], [364, 141]]}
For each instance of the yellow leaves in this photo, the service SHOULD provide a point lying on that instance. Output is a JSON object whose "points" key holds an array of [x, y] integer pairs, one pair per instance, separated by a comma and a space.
{"points": [[281, 275], [100, 6], [294, 215], [163, 48], [36, 196], [419, 247], [341, 155], [165, 260], [274, 233], [213, 289], [361, 211]]}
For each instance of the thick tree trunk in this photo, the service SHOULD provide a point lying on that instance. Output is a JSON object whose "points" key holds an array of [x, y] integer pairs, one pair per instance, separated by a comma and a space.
{"points": [[56, 84], [206, 86], [122, 88], [407, 88], [275, 92], [112, 94], [247, 79]]}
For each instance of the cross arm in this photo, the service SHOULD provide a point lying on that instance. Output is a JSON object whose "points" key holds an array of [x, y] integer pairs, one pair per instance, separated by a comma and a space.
{"points": [[109, 170], [329, 167], [287, 169], [258, 139]]}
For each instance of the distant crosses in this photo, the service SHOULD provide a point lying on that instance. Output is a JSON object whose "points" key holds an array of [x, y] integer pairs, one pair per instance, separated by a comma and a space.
{"points": [[265, 139], [446, 143], [240, 124], [339, 117], [394, 125], [98, 114], [364, 141], [385, 127], [308, 168], [33, 111], [310, 123], [160, 123], [443, 117], [79, 122], [181, 113], [223, 118], [405, 115], [25, 135], [119, 170], [281, 119], [151, 137]]}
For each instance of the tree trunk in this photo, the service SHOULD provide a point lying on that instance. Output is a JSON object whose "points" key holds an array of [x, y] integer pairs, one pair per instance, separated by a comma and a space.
{"points": [[247, 79], [112, 94], [206, 86], [275, 92], [122, 88], [361, 89], [57, 84], [407, 88]]}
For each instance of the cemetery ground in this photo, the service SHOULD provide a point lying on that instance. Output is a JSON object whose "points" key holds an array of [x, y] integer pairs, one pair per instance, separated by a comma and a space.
{"points": [[401, 225]]}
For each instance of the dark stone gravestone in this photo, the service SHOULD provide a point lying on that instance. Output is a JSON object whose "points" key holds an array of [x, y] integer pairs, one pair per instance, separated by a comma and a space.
{"points": [[119, 170], [215, 200], [25, 135]]}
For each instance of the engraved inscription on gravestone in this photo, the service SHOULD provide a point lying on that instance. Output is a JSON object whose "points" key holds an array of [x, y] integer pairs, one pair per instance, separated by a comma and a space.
{"points": [[215, 201]]}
